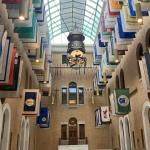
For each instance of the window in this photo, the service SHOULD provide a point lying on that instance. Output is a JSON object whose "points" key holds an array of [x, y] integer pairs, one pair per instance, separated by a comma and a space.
{"points": [[133, 139], [147, 39], [128, 141], [27, 79], [5, 135], [64, 59], [45, 93], [108, 94], [81, 131], [122, 81], [64, 95], [81, 95], [121, 134], [145, 115], [117, 82], [142, 137], [63, 131], [139, 54], [72, 93], [73, 133]]}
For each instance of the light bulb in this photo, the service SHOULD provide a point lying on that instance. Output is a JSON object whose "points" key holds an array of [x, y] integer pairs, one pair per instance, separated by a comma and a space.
{"points": [[37, 60], [21, 18], [116, 61], [140, 20]]}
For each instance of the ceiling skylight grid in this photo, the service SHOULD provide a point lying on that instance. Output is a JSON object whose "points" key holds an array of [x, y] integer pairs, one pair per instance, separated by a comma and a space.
{"points": [[62, 15]]}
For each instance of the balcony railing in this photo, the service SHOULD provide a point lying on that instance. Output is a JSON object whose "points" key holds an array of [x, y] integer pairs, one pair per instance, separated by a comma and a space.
{"points": [[74, 141]]}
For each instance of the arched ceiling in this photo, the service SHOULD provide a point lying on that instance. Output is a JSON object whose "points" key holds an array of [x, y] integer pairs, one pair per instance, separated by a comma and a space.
{"points": [[62, 15]]}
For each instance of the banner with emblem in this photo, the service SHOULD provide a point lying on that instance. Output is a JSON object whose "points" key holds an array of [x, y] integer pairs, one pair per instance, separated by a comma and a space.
{"points": [[122, 101], [105, 114], [31, 98], [44, 118]]}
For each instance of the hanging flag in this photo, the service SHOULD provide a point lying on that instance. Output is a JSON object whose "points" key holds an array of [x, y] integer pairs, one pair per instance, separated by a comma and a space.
{"points": [[17, 73], [146, 71], [31, 98], [98, 121], [3, 40], [122, 102], [132, 9], [112, 103], [105, 114], [44, 118]]}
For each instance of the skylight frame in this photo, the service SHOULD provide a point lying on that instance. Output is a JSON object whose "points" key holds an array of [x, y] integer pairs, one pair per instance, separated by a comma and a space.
{"points": [[89, 24]]}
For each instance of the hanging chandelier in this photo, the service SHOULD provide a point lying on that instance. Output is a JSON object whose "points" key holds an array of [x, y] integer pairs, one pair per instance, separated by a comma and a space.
{"points": [[76, 49]]}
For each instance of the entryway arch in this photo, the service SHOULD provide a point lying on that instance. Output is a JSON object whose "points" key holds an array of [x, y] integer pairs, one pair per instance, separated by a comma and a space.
{"points": [[121, 132], [146, 123], [73, 131], [6, 121], [127, 133]]}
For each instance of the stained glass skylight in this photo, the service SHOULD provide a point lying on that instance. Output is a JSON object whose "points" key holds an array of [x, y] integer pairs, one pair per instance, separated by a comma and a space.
{"points": [[62, 15]]}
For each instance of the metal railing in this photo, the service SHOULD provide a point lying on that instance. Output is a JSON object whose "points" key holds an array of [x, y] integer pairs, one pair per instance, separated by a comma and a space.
{"points": [[74, 141]]}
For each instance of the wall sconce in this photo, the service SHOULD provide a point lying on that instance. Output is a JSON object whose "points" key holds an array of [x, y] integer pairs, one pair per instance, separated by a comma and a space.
{"points": [[116, 56], [93, 102], [139, 16], [23, 10], [53, 100], [104, 77], [97, 91], [37, 56]]}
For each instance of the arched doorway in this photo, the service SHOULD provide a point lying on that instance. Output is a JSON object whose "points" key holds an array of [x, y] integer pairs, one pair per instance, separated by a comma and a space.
{"points": [[5, 127], [121, 132], [127, 134], [146, 123], [73, 130]]}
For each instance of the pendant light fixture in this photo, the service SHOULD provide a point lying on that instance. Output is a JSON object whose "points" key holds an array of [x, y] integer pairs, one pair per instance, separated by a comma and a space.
{"points": [[76, 48]]}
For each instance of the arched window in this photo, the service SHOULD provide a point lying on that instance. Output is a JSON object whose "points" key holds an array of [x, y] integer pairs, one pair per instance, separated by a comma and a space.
{"points": [[27, 134], [139, 54], [121, 132], [117, 82], [127, 133], [147, 39], [72, 93], [122, 81], [22, 134], [146, 124], [108, 92], [5, 135]]}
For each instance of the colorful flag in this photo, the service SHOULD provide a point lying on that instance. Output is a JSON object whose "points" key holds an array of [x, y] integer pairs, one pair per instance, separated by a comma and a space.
{"points": [[31, 98], [105, 114], [122, 101], [44, 118]]}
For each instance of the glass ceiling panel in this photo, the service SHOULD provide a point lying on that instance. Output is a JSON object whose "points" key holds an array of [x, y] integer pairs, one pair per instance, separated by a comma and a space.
{"points": [[62, 15]]}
